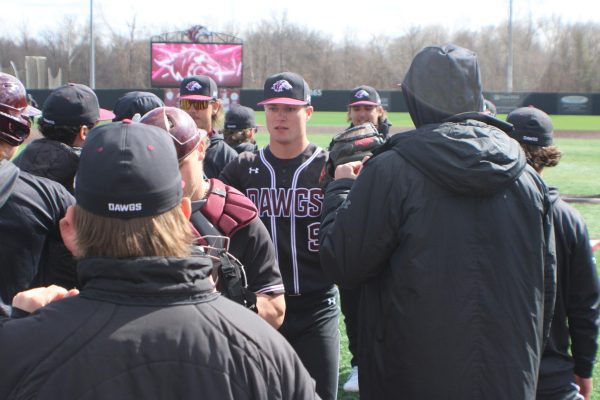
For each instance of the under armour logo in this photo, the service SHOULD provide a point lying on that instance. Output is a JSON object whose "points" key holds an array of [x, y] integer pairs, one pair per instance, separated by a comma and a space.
{"points": [[253, 170], [331, 301], [362, 93], [281, 85]]}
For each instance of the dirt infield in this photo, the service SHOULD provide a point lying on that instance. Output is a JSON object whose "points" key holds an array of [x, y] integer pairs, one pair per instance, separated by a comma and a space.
{"points": [[331, 130]]}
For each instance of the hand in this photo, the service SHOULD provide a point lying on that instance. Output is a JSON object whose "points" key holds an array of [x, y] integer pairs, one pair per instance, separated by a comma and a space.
{"points": [[32, 299], [348, 170], [585, 386]]}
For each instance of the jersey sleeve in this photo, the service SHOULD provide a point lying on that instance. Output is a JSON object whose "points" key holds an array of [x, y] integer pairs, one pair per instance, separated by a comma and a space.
{"points": [[252, 245]]}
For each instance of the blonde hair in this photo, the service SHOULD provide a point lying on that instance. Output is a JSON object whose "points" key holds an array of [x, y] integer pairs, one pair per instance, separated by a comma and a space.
{"points": [[540, 157], [166, 234], [219, 118]]}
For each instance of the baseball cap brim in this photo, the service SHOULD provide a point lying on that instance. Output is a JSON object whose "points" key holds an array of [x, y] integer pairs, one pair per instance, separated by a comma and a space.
{"points": [[283, 100], [195, 97], [105, 115], [364, 102]]}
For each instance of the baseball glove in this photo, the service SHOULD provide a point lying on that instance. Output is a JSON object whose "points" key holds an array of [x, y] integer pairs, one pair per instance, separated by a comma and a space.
{"points": [[353, 144]]}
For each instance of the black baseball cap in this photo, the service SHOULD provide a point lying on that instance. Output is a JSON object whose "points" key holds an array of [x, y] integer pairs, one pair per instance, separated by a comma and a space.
{"points": [[364, 95], [73, 104], [286, 88], [132, 103], [531, 126], [198, 87], [240, 117], [128, 170]]}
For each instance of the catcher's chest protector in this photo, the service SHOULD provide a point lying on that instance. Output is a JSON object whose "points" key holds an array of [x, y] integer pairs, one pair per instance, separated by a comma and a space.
{"points": [[227, 208]]}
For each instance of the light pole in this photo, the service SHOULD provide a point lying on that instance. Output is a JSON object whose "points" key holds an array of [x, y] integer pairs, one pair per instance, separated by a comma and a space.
{"points": [[509, 63], [92, 50]]}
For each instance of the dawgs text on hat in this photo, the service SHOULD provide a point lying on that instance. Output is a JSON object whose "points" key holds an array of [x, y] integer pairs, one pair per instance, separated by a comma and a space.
{"points": [[73, 104], [364, 95], [531, 126], [240, 117], [286, 88], [198, 87], [128, 170]]}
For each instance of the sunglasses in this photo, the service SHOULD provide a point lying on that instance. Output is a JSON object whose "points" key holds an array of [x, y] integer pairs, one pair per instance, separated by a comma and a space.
{"points": [[195, 104]]}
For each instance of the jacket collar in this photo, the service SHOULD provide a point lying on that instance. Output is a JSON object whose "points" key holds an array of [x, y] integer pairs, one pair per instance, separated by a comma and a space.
{"points": [[147, 280]]}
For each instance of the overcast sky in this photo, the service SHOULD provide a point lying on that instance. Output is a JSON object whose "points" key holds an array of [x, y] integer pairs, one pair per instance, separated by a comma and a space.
{"points": [[362, 19]]}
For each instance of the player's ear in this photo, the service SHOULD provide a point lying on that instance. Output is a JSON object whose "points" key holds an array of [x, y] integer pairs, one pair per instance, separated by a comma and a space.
{"points": [[309, 111], [68, 232], [186, 207], [215, 107], [204, 143]]}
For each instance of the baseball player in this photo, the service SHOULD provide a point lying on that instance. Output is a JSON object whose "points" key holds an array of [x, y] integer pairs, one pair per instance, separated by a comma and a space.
{"points": [[199, 97], [220, 210], [240, 128], [282, 179], [563, 375], [68, 114]]}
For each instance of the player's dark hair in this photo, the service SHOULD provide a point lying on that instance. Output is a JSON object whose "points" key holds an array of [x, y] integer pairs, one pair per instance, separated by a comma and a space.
{"points": [[61, 133]]}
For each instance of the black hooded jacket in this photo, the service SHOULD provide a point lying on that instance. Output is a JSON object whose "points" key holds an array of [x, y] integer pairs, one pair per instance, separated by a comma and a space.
{"points": [[576, 314], [448, 233], [32, 250], [147, 328]]}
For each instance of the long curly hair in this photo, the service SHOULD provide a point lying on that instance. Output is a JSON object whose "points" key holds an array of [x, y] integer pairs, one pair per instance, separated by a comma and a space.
{"points": [[540, 157]]}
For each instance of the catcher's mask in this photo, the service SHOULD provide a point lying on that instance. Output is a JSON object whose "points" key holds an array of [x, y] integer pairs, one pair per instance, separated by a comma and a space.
{"points": [[14, 111]]}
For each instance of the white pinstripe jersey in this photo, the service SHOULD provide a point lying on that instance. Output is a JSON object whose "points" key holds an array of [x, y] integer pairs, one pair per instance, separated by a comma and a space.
{"points": [[289, 201]]}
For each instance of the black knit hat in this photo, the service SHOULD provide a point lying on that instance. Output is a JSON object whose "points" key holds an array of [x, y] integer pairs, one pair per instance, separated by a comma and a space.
{"points": [[286, 88], [132, 103], [531, 126], [128, 170]]}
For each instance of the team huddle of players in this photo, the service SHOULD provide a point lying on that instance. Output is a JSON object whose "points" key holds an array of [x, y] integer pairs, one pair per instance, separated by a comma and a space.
{"points": [[460, 273]]}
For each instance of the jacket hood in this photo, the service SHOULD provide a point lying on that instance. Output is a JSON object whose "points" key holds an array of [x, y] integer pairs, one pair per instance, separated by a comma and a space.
{"points": [[468, 157], [442, 81], [9, 174]]}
